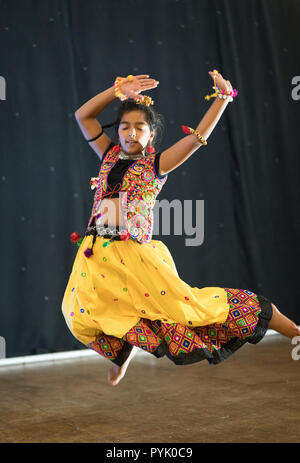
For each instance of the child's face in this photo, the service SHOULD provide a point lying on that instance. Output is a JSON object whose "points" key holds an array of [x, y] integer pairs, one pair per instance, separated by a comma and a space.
{"points": [[133, 127]]}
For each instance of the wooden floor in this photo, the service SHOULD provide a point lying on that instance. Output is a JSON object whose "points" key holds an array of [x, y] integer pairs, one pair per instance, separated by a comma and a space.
{"points": [[254, 396]]}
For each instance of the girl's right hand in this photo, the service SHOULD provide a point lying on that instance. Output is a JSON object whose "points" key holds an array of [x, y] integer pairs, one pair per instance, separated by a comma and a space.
{"points": [[138, 84]]}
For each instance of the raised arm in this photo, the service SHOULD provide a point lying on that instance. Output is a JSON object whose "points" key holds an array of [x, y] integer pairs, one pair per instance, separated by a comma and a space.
{"points": [[178, 153], [89, 125], [87, 113]]}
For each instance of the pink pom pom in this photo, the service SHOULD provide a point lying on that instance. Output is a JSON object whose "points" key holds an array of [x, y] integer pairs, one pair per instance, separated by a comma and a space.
{"points": [[125, 236], [116, 149], [186, 129]]}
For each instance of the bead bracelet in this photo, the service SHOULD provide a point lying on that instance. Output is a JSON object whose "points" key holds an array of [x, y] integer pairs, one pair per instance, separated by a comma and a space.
{"points": [[146, 100], [194, 132], [225, 94], [118, 91]]}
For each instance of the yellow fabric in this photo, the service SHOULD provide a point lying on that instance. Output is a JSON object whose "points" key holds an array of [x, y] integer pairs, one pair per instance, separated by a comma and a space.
{"points": [[118, 285]]}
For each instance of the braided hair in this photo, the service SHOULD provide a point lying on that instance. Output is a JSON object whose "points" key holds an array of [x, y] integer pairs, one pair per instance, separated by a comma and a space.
{"points": [[154, 119]]}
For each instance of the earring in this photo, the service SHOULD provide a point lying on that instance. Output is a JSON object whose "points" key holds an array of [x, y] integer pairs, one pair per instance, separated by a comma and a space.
{"points": [[150, 149]]}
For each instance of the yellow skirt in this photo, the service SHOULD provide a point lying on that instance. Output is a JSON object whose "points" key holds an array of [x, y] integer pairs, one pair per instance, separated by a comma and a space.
{"points": [[125, 290]]}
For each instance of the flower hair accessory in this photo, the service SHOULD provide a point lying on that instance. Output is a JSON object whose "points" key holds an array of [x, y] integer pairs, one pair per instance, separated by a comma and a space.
{"points": [[225, 94], [195, 132], [146, 100]]}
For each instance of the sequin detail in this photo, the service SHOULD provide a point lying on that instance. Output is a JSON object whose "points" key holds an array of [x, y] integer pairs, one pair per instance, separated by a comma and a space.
{"points": [[183, 344], [141, 186]]}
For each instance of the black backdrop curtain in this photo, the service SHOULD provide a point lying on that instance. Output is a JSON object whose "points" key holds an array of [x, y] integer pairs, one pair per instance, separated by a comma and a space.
{"points": [[57, 54]]}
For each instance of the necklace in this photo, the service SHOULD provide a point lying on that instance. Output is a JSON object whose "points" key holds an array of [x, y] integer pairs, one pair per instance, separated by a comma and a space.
{"points": [[133, 157]]}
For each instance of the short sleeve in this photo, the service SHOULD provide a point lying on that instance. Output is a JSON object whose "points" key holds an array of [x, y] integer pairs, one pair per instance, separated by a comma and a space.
{"points": [[156, 166]]}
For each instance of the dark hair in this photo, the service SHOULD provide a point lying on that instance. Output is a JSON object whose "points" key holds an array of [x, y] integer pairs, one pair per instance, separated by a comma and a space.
{"points": [[154, 119]]}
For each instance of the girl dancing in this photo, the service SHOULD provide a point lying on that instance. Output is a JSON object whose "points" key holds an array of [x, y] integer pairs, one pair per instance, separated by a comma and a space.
{"points": [[124, 292]]}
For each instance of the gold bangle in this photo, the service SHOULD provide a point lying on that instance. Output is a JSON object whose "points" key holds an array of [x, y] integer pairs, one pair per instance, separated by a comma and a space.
{"points": [[200, 138], [117, 84], [146, 100], [118, 91], [187, 129]]}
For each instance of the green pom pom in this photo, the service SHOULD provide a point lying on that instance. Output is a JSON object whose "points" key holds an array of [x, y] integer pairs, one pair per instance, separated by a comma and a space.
{"points": [[105, 244], [80, 241]]}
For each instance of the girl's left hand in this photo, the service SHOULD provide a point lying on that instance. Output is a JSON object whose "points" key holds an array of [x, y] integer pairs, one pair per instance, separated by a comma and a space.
{"points": [[221, 83]]}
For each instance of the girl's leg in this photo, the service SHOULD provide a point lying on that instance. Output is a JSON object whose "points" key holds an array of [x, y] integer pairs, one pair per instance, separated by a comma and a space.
{"points": [[282, 324], [116, 373], [116, 350], [139, 336]]}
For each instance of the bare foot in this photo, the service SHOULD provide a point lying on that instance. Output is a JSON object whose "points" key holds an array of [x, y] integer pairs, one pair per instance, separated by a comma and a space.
{"points": [[282, 324], [116, 373]]}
